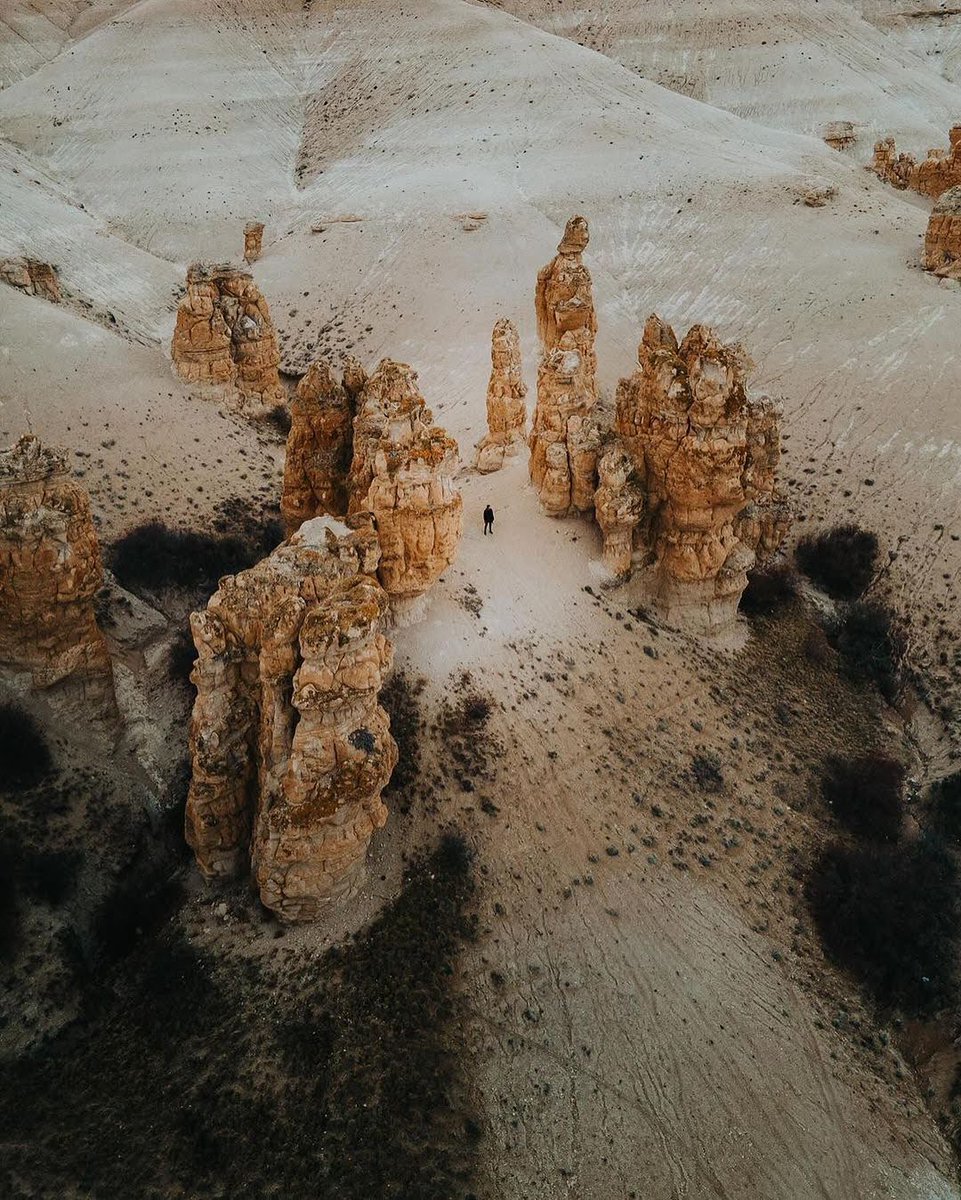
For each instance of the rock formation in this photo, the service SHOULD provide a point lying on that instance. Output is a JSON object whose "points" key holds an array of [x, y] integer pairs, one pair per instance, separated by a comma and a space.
{"points": [[506, 410], [839, 135], [564, 437], [702, 488], [942, 242], [50, 572], [31, 276], [932, 177], [403, 472], [253, 241], [224, 336], [320, 446], [290, 748]]}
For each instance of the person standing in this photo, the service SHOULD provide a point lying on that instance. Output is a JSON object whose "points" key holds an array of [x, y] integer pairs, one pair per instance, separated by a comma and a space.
{"points": [[488, 521]]}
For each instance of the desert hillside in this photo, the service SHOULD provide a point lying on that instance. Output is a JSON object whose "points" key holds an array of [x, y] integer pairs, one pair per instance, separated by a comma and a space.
{"points": [[639, 1004]]}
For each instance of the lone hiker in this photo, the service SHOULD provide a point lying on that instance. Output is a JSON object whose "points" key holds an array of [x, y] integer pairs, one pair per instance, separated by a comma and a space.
{"points": [[488, 521]]}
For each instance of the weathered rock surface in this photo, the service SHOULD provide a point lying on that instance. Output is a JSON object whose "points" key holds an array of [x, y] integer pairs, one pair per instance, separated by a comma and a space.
{"points": [[370, 445], [50, 572], [225, 338], [942, 242], [931, 177], [31, 276], [253, 241], [840, 135], [290, 748], [704, 458], [403, 472], [619, 507], [320, 446], [564, 437], [506, 410]]}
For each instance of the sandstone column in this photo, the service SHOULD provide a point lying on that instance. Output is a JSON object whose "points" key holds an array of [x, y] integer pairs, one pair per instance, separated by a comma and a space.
{"points": [[506, 410], [253, 241], [50, 572], [319, 448], [942, 242], [564, 437]]}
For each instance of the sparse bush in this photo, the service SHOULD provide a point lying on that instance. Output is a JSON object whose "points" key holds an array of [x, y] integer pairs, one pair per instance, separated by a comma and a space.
{"points": [[24, 754], [476, 709], [401, 698], [872, 642], [840, 560], [866, 795], [278, 421], [890, 914], [769, 589], [706, 769], [154, 557], [945, 801]]}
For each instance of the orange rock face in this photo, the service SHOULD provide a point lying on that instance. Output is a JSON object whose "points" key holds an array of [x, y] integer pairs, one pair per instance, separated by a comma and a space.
{"points": [[290, 748], [938, 172], [506, 410], [704, 459], [564, 437], [50, 572], [320, 447], [370, 445], [403, 472], [253, 241], [225, 338], [31, 276], [942, 242]]}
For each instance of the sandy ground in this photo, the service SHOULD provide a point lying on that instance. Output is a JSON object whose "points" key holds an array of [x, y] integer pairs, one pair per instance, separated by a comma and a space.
{"points": [[648, 1040]]}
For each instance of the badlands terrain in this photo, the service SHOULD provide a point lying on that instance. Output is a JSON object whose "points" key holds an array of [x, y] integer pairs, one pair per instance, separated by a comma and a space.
{"points": [[608, 980]]}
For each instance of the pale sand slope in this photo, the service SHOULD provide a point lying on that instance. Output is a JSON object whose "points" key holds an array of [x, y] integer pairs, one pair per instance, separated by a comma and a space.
{"points": [[931, 30], [435, 109], [34, 31], [790, 65]]}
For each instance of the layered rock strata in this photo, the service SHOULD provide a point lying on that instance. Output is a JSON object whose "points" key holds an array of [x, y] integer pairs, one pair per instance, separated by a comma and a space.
{"points": [[289, 745], [32, 276], [564, 437], [224, 337], [403, 472], [50, 573], [942, 242], [320, 445], [933, 176], [702, 479], [253, 241], [506, 410]]}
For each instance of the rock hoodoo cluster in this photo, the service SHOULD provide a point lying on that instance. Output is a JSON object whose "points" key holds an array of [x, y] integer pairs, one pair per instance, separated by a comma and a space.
{"points": [[50, 572], [690, 476], [370, 445], [942, 242], [564, 437], [253, 241], [225, 338], [506, 410], [932, 177], [31, 276], [290, 748]]}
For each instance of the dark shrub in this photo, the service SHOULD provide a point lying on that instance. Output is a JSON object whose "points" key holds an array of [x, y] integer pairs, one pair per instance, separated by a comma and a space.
{"points": [[872, 643], [278, 421], [839, 560], [136, 908], [11, 936], [181, 657], [866, 795], [769, 589], [706, 769], [154, 557], [24, 755], [945, 798], [890, 914], [400, 698]]}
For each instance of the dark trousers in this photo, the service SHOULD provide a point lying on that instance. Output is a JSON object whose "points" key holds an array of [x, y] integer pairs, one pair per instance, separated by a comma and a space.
{"points": [[488, 528]]}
